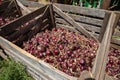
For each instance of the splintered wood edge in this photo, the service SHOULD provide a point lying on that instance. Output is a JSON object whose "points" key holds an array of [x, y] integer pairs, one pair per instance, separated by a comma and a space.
{"points": [[36, 59]]}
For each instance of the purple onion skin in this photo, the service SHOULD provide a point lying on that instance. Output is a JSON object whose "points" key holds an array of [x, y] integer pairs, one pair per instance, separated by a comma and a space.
{"points": [[66, 50]]}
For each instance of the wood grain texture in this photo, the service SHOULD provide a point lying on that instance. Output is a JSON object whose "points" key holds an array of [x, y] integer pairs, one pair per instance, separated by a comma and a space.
{"points": [[38, 65], [6, 29], [86, 26], [101, 58], [103, 28], [73, 23], [81, 10], [31, 24]]}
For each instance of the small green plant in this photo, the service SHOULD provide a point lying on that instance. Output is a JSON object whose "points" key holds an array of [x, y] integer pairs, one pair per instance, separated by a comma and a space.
{"points": [[11, 70]]}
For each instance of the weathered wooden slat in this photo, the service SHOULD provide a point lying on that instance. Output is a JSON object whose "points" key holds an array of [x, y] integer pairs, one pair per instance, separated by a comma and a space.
{"points": [[80, 10], [28, 27], [84, 19], [103, 28], [87, 20], [31, 33], [6, 29], [72, 29], [31, 3], [23, 7], [52, 19], [115, 46], [116, 33], [21, 31], [86, 75], [101, 58], [73, 23], [116, 41], [86, 26], [27, 61], [38, 65], [107, 77]]}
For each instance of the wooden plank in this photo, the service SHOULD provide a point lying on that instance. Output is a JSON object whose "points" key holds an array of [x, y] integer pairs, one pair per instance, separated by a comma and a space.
{"points": [[103, 28], [115, 41], [72, 29], [116, 33], [31, 3], [115, 46], [86, 26], [86, 75], [107, 77], [6, 29], [29, 26], [28, 62], [87, 20], [101, 57], [23, 7], [52, 19], [81, 10], [21, 31], [30, 34], [73, 23], [38, 65]]}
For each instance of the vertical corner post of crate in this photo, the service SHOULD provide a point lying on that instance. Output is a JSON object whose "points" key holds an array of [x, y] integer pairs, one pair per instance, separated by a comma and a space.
{"points": [[51, 17], [105, 22], [102, 54]]}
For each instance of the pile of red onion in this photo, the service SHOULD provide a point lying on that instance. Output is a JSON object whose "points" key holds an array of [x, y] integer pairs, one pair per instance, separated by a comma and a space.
{"points": [[6, 20], [113, 65], [67, 51]]}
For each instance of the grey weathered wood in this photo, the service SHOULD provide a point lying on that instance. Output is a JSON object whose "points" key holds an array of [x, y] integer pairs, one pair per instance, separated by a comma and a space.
{"points": [[116, 33], [23, 30], [81, 10], [52, 19], [31, 3], [86, 26], [115, 41], [38, 65], [115, 46], [86, 19], [31, 33], [86, 75], [29, 64], [107, 77], [103, 28], [23, 7], [6, 29], [73, 23], [101, 58]]}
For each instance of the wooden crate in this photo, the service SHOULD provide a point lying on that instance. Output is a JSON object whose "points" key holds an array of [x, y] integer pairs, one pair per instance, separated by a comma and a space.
{"points": [[43, 18], [93, 20], [89, 21], [10, 9], [116, 34], [115, 41], [42, 69]]}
